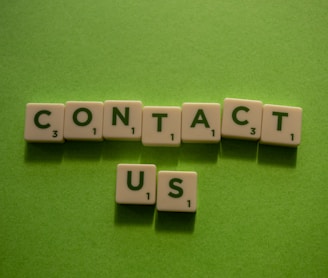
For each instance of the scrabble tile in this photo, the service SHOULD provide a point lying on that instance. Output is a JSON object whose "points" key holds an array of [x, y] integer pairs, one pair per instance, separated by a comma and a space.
{"points": [[83, 120], [281, 125], [242, 119], [161, 126], [122, 120], [201, 123], [44, 122], [177, 191], [136, 184]]}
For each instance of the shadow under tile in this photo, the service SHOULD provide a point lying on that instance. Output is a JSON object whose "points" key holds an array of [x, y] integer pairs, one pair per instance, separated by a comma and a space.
{"points": [[122, 150], [83, 150], [200, 152], [239, 149], [161, 156], [44, 152], [134, 214], [183, 222], [277, 155]]}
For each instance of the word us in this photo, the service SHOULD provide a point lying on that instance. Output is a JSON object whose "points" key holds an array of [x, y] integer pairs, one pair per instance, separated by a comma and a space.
{"points": [[163, 125], [176, 191]]}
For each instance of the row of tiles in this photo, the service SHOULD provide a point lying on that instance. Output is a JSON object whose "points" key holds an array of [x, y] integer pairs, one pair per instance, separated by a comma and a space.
{"points": [[164, 125], [176, 191]]}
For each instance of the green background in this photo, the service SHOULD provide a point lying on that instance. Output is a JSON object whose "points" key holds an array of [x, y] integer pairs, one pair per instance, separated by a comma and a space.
{"points": [[262, 210]]}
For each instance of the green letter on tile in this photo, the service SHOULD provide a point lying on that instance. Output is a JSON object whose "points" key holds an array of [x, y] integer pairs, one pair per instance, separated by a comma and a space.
{"points": [[87, 121], [234, 115], [200, 118], [37, 116], [159, 120], [124, 118], [141, 181], [175, 187], [280, 115]]}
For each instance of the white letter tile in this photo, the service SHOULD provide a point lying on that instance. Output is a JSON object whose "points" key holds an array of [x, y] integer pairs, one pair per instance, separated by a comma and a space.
{"points": [[122, 120], [177, 191], [201, 123], [242, 119], [136, 184], [281, 125], [83, 120], [161, 126], [44, 122]]}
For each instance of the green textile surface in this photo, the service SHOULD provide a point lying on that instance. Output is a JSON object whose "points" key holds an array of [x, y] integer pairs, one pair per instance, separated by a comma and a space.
{"points": [[262, 210]]}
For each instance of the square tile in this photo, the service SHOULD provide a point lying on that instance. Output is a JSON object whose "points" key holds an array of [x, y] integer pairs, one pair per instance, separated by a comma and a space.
{"points": [[281, 125], [177, 191], [44, 122], [122, 120], [83, 120], [242, 119], [201, 123], [136, 184], [161, 126]]}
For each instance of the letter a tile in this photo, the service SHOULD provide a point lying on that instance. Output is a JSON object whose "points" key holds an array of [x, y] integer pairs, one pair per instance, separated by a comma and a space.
{"points": [[201, 123]]}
